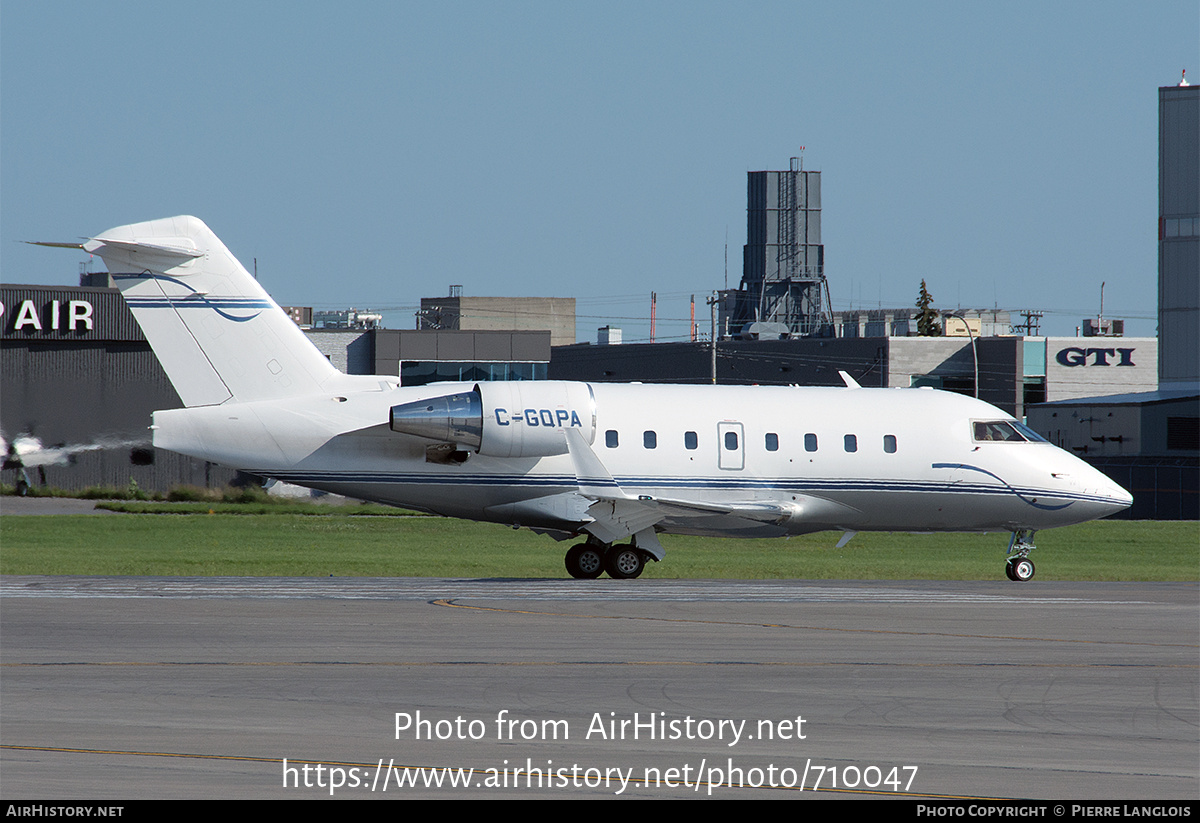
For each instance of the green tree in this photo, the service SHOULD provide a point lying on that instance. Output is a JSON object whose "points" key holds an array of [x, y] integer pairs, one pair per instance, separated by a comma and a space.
{"points": [[927, 320]]}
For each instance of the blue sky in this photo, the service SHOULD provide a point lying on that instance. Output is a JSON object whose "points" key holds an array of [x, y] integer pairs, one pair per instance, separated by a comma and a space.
{"points": [[370, 154]]}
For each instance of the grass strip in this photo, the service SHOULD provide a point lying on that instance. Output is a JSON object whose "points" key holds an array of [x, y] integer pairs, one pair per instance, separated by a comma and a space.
{"points": [[300, 545]]}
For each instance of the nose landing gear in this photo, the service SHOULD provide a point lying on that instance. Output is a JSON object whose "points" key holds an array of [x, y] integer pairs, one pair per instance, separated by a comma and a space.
{"points": [[1019, 567]]}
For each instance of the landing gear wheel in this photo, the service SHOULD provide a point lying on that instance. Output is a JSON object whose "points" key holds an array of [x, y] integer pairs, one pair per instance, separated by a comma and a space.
{"points": [[585, 561], [624, 562], [1020, 569]]}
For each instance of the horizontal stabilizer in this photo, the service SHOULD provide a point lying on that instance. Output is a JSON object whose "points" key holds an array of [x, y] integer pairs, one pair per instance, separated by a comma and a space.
{"points": [[133, 247], [55, 245]]}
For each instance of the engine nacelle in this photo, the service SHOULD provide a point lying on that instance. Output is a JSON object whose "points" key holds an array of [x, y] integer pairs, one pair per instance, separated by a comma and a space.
{"points": [[527, 418], [504, 419]]}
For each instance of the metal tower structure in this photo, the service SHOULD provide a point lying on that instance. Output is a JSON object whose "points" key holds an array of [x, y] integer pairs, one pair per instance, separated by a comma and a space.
{"points": [[783, 263], [1179, 236]]}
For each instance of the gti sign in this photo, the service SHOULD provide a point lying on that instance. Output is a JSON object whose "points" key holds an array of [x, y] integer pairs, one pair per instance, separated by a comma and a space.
{"points": [[54, 315], [1075, 356]]}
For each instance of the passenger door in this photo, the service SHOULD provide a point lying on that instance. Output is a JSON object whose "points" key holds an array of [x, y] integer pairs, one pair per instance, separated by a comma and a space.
{"points": [[731, 446]]}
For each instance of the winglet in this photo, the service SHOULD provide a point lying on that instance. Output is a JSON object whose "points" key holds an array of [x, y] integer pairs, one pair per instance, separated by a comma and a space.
{"points": [[594, 479], [850, 382]]}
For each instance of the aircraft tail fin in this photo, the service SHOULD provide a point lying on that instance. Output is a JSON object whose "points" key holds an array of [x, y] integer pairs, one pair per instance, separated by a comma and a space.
{"points": [[217, 333]]}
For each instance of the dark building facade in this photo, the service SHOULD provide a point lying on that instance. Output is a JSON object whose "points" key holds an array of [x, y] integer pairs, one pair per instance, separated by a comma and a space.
{"points": [[878, 362], [78, 383]]}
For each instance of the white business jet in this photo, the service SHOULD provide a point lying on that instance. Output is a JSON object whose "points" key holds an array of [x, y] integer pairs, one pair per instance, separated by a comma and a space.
{"points": [[614, 465]]}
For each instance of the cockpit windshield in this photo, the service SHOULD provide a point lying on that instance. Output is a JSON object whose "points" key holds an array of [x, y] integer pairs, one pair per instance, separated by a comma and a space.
{"points": [[1029, 433], [1007, 431]]}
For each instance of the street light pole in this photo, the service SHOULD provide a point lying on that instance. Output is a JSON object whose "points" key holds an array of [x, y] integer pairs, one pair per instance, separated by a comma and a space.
{"points": [[974, 351]]}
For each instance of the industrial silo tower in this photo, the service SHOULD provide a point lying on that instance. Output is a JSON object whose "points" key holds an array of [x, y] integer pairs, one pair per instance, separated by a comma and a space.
{"points": [[783, 264]]}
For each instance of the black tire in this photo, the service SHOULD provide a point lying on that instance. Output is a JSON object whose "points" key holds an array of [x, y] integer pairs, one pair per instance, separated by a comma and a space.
{"points": [[624, 562], [585, 561], [1022, 569]]}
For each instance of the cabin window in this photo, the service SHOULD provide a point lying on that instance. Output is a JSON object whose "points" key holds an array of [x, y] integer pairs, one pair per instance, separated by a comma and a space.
{"points": [[851, 443], [650, 440], [610, 438], [889, 443], [731, 441], [810, 442], [772, 442], [689, 440]]}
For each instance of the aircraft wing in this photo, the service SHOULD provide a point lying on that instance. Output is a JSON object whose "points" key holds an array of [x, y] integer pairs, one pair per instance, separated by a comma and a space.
{"points": [[747, 509], [618, 514]]}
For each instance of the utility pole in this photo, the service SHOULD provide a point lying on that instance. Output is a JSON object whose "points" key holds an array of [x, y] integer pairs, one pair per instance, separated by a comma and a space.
{"points": [[712, 340], [653, 308]]}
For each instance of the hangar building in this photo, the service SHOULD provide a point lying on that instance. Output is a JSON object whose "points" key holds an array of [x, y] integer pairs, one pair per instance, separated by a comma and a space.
{"points": [[79, 384]]}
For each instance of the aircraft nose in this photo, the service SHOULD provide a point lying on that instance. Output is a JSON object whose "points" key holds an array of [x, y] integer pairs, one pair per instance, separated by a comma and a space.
{"points": [[1121, 497], [1112, 497]]}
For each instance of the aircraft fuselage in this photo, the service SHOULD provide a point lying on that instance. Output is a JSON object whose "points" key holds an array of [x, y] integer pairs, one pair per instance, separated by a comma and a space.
{"points": [[827, 458]]}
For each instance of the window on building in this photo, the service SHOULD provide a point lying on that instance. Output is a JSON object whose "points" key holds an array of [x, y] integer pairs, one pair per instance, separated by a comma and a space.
{"points": [[421, 373], [1033, 390], [1183, 433]]}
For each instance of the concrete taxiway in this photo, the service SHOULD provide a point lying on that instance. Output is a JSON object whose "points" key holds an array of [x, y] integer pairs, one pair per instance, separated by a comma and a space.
{"points": [[201, 687]]}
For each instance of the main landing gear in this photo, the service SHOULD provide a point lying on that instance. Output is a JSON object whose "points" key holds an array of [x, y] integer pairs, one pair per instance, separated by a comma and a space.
{"points": [[1019, 567], [587, 560]]}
